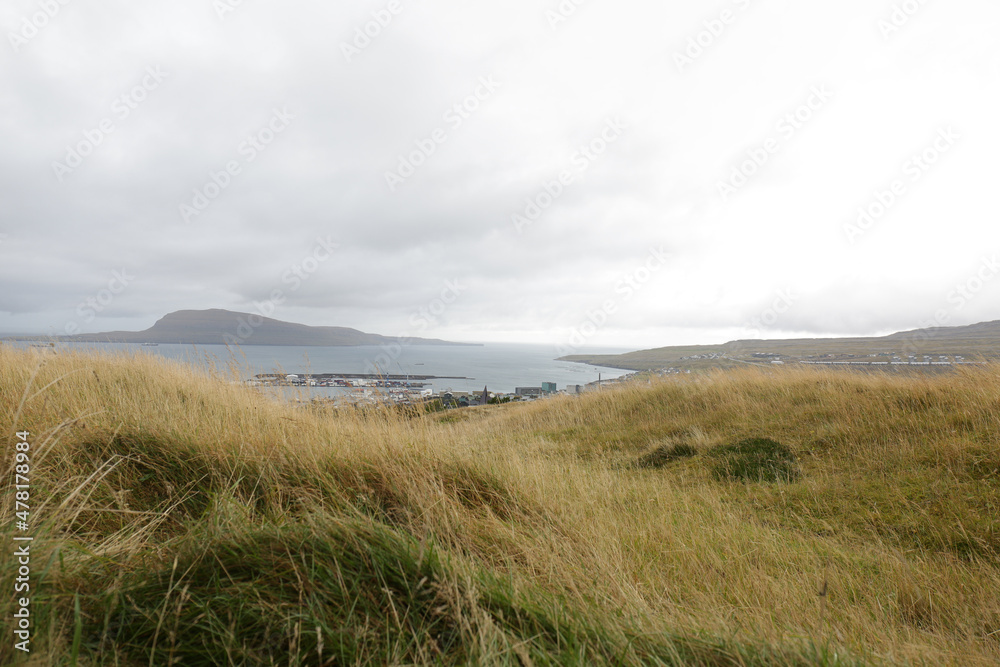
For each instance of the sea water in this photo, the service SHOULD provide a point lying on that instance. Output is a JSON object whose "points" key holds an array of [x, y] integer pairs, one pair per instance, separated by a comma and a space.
{"points": [[501, 367]]}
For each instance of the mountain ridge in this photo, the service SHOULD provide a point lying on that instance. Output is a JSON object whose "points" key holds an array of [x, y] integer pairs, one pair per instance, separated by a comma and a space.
{"points": [[979, 339], [217, 326]]}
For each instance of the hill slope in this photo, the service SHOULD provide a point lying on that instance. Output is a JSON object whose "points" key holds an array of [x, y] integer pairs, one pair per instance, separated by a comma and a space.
{"points": [[980, 340], [182, 519], [224, 327]]}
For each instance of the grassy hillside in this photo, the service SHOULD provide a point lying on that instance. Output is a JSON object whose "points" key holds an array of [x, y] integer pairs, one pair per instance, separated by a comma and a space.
{"points": [[976, 341], [181, 519]]}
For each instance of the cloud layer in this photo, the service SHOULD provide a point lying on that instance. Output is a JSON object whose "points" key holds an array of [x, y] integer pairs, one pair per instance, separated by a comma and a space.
{"points": [[538, 154]]}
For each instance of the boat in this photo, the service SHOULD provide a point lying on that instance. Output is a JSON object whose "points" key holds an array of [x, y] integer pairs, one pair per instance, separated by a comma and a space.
{"points": [[150, 344]]}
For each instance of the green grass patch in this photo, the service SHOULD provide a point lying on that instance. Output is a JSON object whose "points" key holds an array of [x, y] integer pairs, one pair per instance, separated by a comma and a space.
{"points": [[357, 593], [664, 455], [913, 512], [151, 475], [754, 460]]}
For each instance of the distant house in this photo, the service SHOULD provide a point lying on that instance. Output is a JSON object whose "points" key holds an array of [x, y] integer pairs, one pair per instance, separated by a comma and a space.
{"points": [[528, 391]]}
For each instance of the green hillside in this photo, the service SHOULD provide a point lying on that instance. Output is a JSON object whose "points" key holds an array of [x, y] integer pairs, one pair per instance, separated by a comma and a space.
{"points": [[977, 341]]}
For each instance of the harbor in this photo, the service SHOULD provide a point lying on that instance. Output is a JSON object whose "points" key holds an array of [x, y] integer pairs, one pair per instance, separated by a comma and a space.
{"points": [[347, 380], [335, 372], [339, 389]]}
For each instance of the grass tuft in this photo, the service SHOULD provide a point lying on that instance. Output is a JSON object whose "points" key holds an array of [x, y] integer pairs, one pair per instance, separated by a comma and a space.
{"points": [[664, 455], [754, 460]]}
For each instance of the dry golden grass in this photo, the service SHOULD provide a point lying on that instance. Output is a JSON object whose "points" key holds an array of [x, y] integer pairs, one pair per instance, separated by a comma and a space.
{"points": [[139, 464]]}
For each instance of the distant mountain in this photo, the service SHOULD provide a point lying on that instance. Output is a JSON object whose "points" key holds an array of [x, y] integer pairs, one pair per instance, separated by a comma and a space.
{"points": [[980, 340], [224, 327]]}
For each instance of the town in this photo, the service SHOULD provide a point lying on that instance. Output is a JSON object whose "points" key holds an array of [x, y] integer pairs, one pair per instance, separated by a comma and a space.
{"points": [[360, 388], [883, 359], [356, 389]]}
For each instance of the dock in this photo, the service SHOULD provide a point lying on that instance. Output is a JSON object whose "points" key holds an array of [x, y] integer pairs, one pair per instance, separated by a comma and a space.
{"points": [[352, 380], [354, 376]]}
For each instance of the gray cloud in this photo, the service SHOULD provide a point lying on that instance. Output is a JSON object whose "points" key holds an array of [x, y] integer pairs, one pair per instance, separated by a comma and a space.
{"points": [[324, 174]]}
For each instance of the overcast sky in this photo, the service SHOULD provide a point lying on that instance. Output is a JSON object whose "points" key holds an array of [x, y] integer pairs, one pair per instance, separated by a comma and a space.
{"points": [[631, 174]]}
